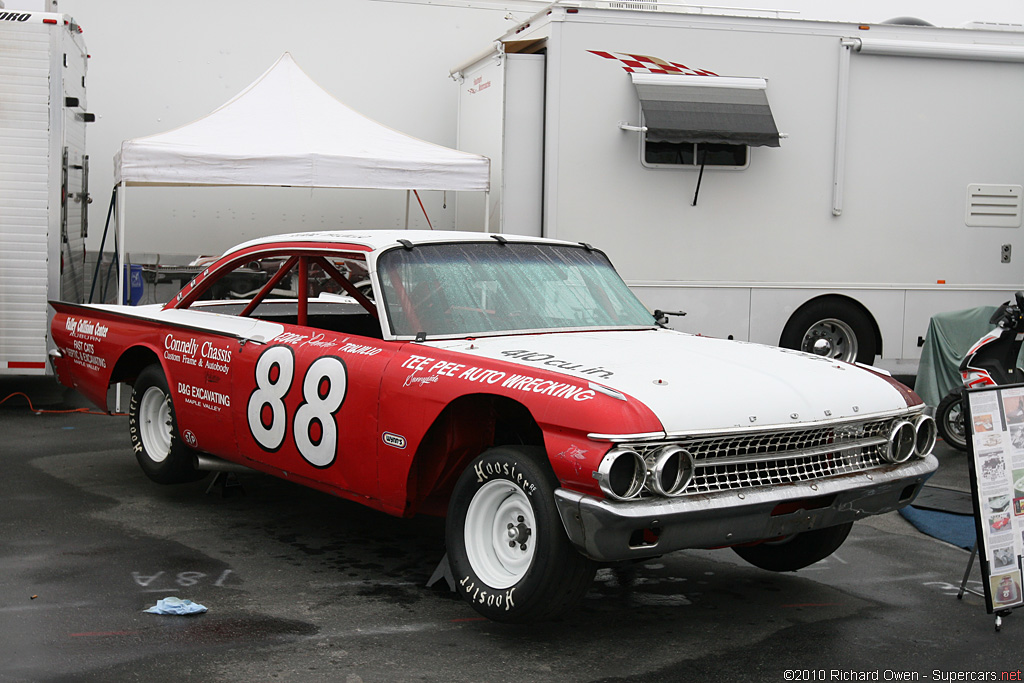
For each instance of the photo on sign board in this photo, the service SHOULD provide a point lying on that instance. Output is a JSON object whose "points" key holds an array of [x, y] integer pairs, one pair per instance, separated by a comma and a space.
{"points": [[1017, 436], [1013, 407], [1018, 483], [1005, 589], [999, 523], [983, 423], [991, 440], [993, 470], [1003, 557], [999, 503]]}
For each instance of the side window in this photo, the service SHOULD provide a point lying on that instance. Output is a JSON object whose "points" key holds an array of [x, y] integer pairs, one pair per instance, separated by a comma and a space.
{"points": [[245, 281], [694, 154], [333, 292]]}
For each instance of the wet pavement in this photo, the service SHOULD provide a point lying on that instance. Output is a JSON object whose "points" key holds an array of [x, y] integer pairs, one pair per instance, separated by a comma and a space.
{"points": [[301, 586]]}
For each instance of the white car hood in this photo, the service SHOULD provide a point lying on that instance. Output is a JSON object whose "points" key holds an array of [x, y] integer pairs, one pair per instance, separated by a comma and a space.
{"points": [[700, 383]]}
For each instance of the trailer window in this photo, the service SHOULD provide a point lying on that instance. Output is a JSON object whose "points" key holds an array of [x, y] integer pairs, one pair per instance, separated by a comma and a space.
{"points": [[694, 154]]}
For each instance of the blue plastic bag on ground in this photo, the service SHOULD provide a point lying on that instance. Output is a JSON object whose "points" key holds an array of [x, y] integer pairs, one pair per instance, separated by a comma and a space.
{"points": [[175, 606]]}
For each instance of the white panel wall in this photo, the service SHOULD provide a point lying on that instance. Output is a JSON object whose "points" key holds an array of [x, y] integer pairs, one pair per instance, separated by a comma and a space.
{"points": [[24, 167]]}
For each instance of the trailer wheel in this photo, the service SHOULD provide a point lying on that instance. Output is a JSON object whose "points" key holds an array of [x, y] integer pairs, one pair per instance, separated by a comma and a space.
{"points": [[161, 453], [832, 328], [507, 548], [796, 551], [949, 418]]}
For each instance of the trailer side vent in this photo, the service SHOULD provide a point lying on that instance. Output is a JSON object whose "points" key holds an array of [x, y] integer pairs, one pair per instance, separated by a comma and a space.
{"points": [[636, 5], [993, 206]]}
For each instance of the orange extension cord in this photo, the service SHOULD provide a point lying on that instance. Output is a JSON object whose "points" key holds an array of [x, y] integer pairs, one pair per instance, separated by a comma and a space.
{"points": [[31, 407]]}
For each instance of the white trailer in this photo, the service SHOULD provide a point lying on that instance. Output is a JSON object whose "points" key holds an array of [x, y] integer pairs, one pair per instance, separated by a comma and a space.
{"points": [[894, 192], [43, 180]]}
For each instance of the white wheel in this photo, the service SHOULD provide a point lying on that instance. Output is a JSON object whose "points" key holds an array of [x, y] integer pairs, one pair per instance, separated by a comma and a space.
{"points": [[507, 546], [155, 424], [153, 428], [499, 533]]}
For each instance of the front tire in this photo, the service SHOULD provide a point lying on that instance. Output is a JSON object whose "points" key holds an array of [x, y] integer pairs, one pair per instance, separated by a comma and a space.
{"points": [[507, 548], [833, 328], [796, 551], [949, 418], [161, 453]]}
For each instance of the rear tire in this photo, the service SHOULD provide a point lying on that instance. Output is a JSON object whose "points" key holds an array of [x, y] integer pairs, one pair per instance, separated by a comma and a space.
{"points": [[832, 328], [508, 551], [796, 551], [158, 447], [949, 418]]}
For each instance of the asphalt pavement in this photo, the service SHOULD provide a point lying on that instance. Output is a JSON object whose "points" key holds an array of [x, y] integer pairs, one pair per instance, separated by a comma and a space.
{"points": [[301, 586]]}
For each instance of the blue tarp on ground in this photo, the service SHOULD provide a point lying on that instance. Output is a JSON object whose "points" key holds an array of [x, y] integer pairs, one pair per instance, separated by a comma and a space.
{"points": [[958, 530]]}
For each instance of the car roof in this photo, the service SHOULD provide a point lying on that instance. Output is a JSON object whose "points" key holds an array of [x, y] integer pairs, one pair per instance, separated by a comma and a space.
{"points": [[377, 240]]}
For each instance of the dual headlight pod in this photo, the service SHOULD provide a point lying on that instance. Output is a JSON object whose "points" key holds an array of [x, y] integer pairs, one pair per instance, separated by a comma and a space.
{"points": [[623, 473], [908, 438]]}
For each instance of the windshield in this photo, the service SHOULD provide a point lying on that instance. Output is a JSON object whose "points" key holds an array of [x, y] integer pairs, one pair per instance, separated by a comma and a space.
{"points": [[471, 289]]}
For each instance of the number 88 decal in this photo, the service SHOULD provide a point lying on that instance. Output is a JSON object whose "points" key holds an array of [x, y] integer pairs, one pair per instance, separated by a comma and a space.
{"points": [[323, 391]]}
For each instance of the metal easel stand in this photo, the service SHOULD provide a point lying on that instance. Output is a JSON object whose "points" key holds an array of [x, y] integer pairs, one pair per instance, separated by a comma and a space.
{"points": [[964, 589]]}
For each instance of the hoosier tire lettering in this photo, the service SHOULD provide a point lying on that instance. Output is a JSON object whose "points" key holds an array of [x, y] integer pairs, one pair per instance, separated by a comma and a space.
{"points": [[506, 540], [153, 429]]}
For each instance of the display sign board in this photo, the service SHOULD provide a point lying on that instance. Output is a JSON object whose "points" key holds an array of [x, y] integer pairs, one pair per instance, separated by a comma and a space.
{"points": [[995, 422]]}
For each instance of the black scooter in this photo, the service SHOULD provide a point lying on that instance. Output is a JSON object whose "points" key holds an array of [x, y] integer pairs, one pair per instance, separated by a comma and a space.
{"points": [[991, 361]]}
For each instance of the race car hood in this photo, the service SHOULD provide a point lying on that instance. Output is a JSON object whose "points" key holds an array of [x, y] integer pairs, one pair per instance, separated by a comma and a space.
{"points": [[699, 383]]}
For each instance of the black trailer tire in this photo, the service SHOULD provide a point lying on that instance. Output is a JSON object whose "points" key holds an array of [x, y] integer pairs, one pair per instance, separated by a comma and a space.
{"points": [[949, 419], [796, 551], [153, 428], [508, 551], [843, 329]]}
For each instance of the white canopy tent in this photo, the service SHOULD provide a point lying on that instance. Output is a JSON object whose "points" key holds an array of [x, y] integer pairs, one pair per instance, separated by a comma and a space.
{"points": [[285, 130]]}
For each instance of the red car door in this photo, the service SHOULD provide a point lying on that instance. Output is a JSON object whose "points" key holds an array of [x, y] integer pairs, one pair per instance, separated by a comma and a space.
{"points": [[307, 407]]}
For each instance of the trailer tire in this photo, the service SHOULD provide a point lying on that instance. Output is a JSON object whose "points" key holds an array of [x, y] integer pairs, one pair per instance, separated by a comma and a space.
{"points": [[153, 428], [840, 329], [796, 551], [949, 419], [507, 549]]}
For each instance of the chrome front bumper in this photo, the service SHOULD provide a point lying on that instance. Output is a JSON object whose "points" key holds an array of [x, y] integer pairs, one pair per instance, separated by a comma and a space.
{"points": [[609, 531]]}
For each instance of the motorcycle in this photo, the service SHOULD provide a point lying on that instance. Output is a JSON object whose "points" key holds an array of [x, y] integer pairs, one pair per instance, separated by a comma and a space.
{"points": [[991, 361]]}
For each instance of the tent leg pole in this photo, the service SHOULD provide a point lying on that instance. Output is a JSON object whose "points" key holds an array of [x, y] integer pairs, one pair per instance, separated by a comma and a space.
{"points": [[120, 272], [487, 210], [408, 198]]}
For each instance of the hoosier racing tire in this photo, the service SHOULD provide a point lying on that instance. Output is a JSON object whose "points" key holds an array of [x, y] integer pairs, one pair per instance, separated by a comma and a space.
{"points": [[153, 428], [507, 549]]}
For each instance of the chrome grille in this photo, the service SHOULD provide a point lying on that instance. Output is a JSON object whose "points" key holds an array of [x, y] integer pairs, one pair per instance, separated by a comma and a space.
{"points": [[738, 461]]}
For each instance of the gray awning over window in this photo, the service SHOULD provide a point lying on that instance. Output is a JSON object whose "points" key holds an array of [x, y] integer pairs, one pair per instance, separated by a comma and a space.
{"points": [[713, 109]]}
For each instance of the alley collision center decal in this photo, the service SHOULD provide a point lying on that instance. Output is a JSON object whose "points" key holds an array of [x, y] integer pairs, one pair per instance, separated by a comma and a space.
{"points": [[86, 335]]}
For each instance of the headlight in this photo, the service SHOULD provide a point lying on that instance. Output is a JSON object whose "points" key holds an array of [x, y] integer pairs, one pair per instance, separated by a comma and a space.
{"points": [[621, 474], [926, 433], [902, 441], [669, 470]]}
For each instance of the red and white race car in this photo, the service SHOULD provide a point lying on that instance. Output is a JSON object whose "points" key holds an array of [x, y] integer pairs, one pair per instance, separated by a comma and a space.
{"points": [[515, 385]]}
